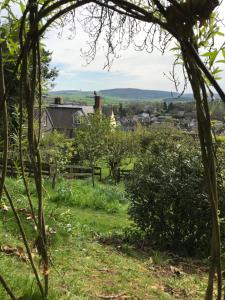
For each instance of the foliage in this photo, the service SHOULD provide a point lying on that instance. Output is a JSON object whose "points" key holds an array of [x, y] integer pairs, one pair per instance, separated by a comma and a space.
{"points": [[56, 150], [119, 145], [168, 195], [178, 19], [96, 139], [90, 138], [11, 48]]}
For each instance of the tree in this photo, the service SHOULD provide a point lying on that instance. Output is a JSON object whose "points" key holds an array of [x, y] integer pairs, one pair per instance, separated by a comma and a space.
{"points": [[185, 21], [90, 138], [56, 150], [170, 107], [165, 106], [122, 111], [9, 33], [10, 53], [119, 145]]}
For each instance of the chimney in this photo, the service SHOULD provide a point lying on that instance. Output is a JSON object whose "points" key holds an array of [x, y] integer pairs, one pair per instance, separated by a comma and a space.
{"points": [[98, 103], [59, 100]]}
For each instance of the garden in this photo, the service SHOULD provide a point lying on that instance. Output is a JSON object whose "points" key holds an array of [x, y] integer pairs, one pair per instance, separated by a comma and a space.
{"points": [[159, 232]]}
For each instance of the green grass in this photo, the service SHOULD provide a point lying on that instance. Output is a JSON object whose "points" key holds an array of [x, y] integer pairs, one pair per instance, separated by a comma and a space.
{"points": [[87, 98], [81, 194], [83, 265]]}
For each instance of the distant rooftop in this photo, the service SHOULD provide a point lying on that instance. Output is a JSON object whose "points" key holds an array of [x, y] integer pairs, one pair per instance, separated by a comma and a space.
{"points": [[68, 105]]}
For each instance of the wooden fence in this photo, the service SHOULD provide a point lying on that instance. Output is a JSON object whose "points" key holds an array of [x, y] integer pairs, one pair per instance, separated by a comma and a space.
{"points": [[123, 174], [14, 168], [70, 171], [74, 171]]}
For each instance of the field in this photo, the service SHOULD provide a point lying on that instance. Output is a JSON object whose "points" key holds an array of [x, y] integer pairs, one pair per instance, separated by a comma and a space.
{"points": [[88, 98], [89, 257], [83, 97]]}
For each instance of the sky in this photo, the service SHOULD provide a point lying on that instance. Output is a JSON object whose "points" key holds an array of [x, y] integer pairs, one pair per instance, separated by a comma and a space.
{"points": [[133, 69]]}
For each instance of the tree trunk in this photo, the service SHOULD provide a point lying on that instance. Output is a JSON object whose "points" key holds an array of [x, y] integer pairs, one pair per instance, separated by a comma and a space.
{"points": [[209, 162], [3, 108]]}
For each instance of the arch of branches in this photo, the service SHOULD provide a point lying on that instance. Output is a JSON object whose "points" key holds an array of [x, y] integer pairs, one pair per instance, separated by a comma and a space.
{"points": [[168, 18]]}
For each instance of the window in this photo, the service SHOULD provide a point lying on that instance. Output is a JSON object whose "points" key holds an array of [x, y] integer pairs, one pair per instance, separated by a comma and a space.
{"points": [[44, 121], [77, 119]]}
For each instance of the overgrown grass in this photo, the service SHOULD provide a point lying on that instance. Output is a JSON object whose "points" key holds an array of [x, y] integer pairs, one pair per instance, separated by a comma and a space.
{"points": [[82, 194], [83, 264]]}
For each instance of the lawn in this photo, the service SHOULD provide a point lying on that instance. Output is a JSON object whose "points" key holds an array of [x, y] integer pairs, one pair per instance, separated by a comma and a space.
{"points": [[87, 261]]}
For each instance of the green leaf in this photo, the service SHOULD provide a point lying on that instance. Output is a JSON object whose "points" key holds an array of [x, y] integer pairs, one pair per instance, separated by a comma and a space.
{"points": [[5, 4], [206, 54], [22, 7], [216, 71], [221, 61], [223, 52], [219, 33], [175, 49]]}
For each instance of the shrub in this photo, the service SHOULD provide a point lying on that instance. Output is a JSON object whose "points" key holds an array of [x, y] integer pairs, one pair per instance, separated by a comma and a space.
{"points": [[168, 197]]}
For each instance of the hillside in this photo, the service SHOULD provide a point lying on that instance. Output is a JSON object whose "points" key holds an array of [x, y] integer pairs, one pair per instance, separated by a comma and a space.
{"points": [[120, 95], [115, 96], [137, 94]]}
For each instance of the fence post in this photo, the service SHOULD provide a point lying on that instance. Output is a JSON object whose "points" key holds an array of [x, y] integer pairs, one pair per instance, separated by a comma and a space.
{"points": [[118, 175], [100, 174], [92, 176]]}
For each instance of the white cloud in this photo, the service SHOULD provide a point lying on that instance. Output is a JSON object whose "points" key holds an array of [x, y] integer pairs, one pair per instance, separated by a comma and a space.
{"points": [[143, 70]]}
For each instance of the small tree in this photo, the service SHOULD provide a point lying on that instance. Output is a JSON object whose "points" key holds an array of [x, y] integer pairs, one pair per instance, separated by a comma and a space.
{"points": [[165, 107], [119, 145], [90, 138], [56, 150]]}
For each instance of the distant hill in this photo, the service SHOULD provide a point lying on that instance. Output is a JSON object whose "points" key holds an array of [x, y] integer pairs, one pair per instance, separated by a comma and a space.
{"points": [[137, 94], [68, 93], [121, 94]]}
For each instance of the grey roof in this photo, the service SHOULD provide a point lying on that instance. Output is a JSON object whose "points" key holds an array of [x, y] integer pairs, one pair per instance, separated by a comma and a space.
{"points": [[88, 110], [62, 115], [107, 111], [68, 105]]}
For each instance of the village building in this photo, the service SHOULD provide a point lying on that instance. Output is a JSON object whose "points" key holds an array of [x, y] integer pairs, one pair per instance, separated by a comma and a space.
{"points": [[66, 117]]}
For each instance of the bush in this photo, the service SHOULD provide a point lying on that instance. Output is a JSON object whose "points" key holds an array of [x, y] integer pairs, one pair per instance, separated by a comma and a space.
{"points": [[168, 197]]}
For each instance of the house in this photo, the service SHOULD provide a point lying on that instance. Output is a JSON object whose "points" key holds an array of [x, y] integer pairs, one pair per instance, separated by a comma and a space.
{"points": [[108, 112], [142, 118], [65, 117], [46, 122]]}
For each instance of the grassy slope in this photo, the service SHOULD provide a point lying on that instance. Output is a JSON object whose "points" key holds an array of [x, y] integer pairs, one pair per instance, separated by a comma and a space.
{"points": [[84, 268], [87, 97]]}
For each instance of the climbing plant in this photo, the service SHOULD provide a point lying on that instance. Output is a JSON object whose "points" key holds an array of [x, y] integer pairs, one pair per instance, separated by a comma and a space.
{"points": [[120, 21]]}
